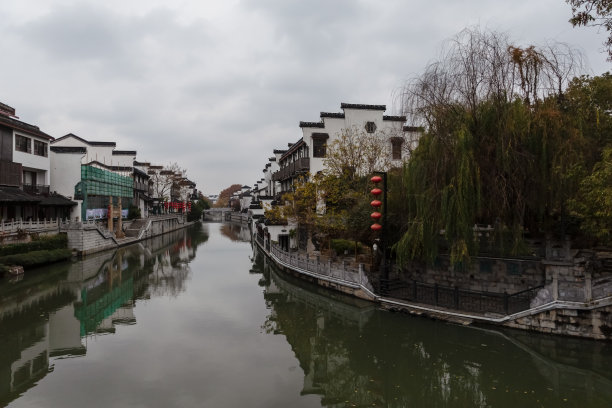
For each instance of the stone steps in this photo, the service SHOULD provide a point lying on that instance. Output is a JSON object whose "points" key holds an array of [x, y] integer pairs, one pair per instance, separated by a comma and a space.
{"points": [[135, 227]]}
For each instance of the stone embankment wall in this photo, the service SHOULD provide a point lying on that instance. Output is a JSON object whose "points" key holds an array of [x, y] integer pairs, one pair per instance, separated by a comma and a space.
{"points": [[574, 291], [485, 274], [88, 238], [593, 323]]}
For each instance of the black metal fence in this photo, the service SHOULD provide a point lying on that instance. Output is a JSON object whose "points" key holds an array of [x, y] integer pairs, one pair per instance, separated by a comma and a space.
{"points": [[456, 298]]}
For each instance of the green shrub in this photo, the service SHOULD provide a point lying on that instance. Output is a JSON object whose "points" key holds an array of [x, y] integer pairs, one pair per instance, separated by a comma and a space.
{"points": [[41, 243], [341, 245], [36, 258], [133, 212]]}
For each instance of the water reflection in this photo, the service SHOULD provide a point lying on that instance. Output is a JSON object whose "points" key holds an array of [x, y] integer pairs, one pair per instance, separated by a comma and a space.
{"points": [[52, 311], [236, 232], [353, 355]]}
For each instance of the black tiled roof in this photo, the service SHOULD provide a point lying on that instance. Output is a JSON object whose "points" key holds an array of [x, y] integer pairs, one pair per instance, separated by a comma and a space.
{"points": [[16, 195], [312, 125], [361, 106], [413, 129], [56, 200], [113, 144], [23, 127], [68, 149], [394, 118], [339, 115]]}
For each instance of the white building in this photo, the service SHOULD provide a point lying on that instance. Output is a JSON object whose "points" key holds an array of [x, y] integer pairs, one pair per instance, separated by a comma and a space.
{"points": [[25, 172], [91, 173], [308, 154]]}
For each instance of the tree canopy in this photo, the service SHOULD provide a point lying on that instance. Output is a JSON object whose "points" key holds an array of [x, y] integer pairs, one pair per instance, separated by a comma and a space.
{"points": [[594, 13], [509, 137]]}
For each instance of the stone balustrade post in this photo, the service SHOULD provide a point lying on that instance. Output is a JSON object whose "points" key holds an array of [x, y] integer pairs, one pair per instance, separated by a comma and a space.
{"points": [[361, 267], [588, 287], [555, 284]]}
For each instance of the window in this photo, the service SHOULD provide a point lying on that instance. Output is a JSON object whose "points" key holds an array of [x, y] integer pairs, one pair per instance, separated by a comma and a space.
{"points": [[396, 148], [40, 148], [370, 127], [319, 144], [23, 144]]}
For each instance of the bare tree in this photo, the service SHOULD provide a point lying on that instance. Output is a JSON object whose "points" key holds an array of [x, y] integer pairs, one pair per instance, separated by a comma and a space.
{"points": [[164, 179], [356, 153], [478, 66]]}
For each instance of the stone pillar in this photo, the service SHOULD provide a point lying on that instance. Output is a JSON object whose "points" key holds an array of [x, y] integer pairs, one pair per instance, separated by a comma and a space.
{"points": [[119, 233], [110, 214], [588, 286], [360, 273], [554, 287]]}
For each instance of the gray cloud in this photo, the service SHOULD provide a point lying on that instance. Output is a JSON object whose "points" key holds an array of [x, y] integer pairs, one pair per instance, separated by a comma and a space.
{"points": [[217, 86]]}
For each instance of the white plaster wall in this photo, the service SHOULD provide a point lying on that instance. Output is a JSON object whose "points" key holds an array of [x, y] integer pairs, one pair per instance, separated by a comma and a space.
{"points": [[70, 141], [102, 154], [65, 174], [356, 118], [123, 160], [32, 161], [276, 230]]}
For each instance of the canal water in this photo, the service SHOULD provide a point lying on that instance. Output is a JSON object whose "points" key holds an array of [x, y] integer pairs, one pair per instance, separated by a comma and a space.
{"points": [[198, 318]]}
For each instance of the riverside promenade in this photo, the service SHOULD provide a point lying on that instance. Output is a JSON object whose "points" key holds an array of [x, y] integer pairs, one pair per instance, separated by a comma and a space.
{"points": [[544, 309]]}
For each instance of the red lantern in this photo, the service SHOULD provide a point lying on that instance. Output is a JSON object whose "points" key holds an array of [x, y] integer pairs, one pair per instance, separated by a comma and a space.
{"points": [[376, 203], [376, 215], [376, 227], [376, 179], [376, 191]]}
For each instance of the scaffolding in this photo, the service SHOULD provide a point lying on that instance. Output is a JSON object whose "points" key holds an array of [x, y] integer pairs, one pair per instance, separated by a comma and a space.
{"points": [[102, 182], [97, 189]]}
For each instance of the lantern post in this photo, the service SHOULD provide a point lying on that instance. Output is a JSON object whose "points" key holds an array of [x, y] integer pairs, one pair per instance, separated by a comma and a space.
{"points": [[381, 176]]}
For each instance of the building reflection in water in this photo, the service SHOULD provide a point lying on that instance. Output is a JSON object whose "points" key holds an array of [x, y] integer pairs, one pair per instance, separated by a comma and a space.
{"points": [[236, 232], [52, 311], [355, 355]]}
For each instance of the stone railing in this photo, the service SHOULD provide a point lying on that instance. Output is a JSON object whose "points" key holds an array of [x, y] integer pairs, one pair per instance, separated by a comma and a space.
{"points": [[327, 269], [30, 225]]}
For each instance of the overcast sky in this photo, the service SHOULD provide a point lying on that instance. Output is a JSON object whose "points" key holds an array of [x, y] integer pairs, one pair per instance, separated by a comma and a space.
{"points": [[217, 85]]}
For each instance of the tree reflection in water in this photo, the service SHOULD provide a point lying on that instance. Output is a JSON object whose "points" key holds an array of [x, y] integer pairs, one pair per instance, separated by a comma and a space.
{"points": [[355, 355]]}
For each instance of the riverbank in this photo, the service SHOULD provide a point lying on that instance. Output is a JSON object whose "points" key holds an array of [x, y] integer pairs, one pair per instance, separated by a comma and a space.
{"points": [[545, 310], [85, 238]]}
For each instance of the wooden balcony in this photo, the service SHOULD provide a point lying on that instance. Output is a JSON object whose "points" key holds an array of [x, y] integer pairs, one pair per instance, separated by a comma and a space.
{"points": [[36, 189], [300, 166]]}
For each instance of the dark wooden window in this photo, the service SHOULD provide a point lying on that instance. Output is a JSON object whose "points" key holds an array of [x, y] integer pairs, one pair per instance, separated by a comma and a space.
{"points": [[370, 127], [23, 144], [396, 148], [319, 144], [40, 148], [319, 148]]}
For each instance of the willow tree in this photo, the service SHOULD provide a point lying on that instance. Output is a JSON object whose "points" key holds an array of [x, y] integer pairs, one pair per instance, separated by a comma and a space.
{"points": [[492, 151]]}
